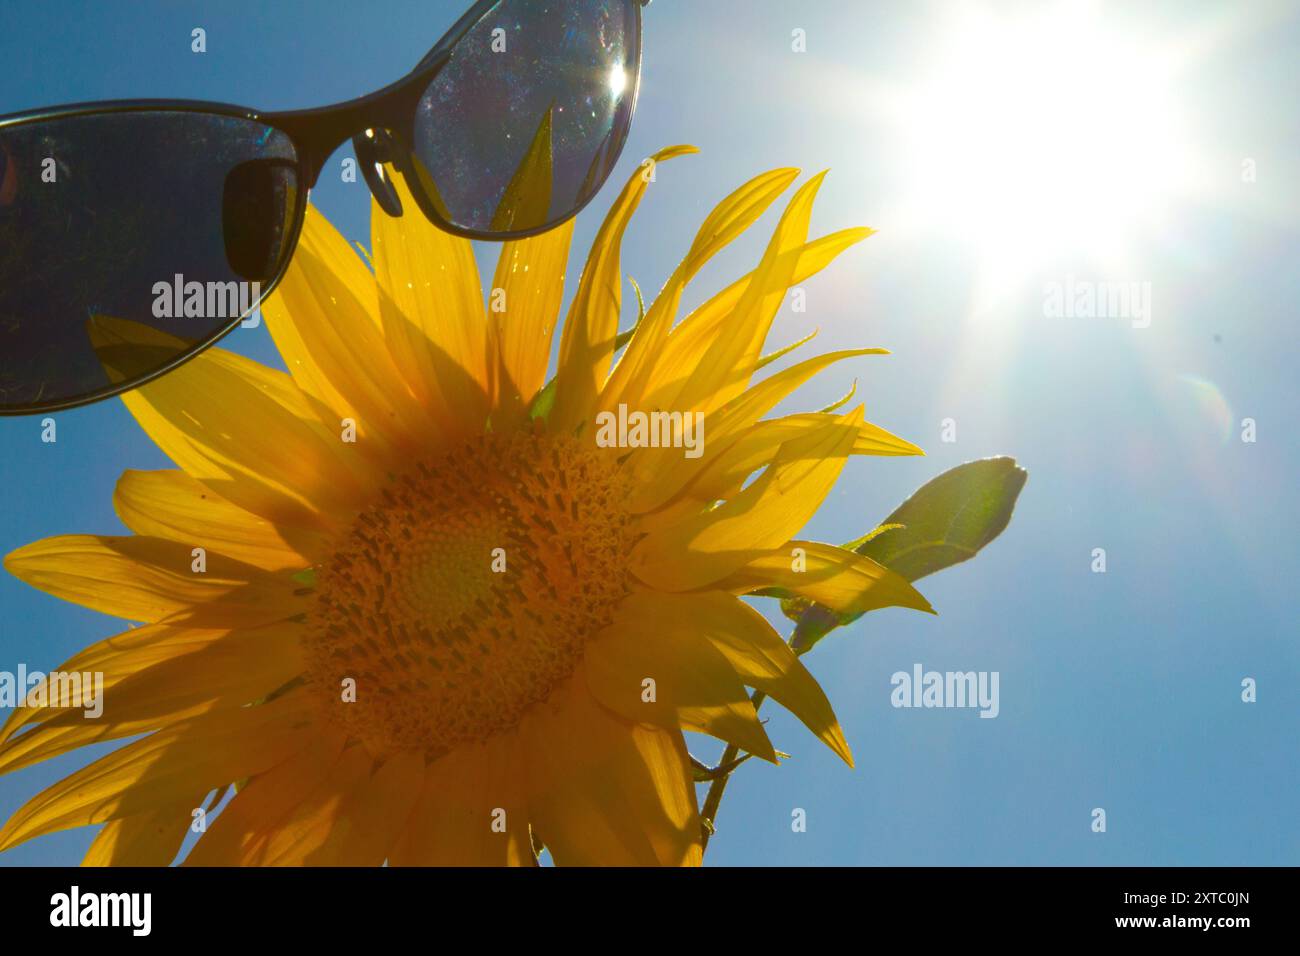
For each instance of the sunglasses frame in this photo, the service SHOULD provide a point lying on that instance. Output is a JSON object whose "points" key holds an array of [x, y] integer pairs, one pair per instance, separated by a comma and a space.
{"points": [[316, 133]]}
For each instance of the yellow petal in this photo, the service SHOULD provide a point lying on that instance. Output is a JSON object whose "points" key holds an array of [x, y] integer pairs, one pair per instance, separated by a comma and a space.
{"points": [[118, 657], [239, 835], [239, 668], [710, 545], [756, 446], [147, 839], [302, 836], [527, 197], [701, 329], [694, 686], [844, 581], [606, 792], [324, 317], [373, 815], [166, 768], [431, 305], [724, 370], [44, 741], [131, 350], [587, 345], [530, 278], [255, 438], [172, 505], [751, 648], [470, 810], [728, 220], [149, 579], [228, 670], [759, 656], [659, 473]]}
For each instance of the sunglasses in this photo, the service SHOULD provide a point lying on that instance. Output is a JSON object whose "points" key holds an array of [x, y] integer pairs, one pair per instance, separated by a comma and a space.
{"points": [[134, 234]]}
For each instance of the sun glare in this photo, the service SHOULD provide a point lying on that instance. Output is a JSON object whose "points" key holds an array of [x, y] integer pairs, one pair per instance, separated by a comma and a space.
{"points": [[1052, 133], [617, 81]]}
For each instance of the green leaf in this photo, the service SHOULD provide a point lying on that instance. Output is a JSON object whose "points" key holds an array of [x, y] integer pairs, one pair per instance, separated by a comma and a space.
{"points": [[945, 521], [878, 530], [949, 518], [841, 401], [543, 402], [772, 357], [703, 773], [640, 306]]}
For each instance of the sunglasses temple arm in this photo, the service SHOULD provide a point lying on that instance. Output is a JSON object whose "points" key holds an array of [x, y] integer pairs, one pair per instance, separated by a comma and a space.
{"points": [[437, 57]]}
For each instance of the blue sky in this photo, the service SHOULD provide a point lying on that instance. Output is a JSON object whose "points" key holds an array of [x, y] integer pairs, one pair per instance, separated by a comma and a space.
{"points": [[1118, 690]]}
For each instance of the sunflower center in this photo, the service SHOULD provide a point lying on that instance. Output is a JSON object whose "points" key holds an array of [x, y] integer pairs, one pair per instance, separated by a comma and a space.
{"points": [[468, 591]]}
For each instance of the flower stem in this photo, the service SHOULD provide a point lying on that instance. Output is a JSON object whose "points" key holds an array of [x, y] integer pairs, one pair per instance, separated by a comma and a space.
{"points": [[719, 785], [712, 799]]}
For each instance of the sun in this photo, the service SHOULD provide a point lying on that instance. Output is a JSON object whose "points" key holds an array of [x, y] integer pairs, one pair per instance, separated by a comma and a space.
{"points": [[1054, 133]]}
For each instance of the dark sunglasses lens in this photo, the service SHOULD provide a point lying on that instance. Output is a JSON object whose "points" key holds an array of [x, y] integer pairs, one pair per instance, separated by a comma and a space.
{"points": [[127, 240], [526, 120]]}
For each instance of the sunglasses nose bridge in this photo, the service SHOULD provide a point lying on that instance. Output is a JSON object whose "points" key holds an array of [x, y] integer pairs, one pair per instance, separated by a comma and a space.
{"points": [[374, 148]]}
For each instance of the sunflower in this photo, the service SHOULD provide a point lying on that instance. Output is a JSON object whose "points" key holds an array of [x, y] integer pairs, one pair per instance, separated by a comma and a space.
{"points": [[399, 604]]}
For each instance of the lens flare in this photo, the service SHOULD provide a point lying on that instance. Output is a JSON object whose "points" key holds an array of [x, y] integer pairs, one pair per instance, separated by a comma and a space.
{"points": [[1209, 404]]}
